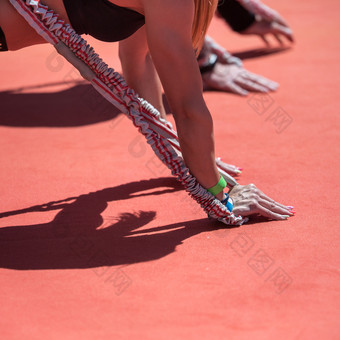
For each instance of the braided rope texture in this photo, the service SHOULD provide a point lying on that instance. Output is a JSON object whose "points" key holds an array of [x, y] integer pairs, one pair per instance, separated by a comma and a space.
{"points": [[112, 86]]}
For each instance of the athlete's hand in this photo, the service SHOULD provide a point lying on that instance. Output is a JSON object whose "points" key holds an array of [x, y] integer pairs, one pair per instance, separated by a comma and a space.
{"points": [[268, 21], [236, 79], [210, 46], [248, 200], [263, 28]]}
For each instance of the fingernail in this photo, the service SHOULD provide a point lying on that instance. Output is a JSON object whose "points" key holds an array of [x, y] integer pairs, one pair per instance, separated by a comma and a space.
{"points": [[292, 212], [286, 216], [238, 171], [240, 168], [290, 207]]}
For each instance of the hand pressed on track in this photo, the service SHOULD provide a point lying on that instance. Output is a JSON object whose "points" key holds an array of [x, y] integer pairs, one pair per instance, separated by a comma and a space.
{"points": [[278, 29], [236, 79], [249, 200], [232, 170]]}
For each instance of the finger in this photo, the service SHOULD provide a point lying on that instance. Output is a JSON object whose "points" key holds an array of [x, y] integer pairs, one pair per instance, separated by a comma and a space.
{"points": [[249, 207], [290, 37], [272, 15], [275, 207], [233, 87], [258, 194], [222, 164], [265, 197], [250, 85], [265, 40], [283, 30], [230, 169], [271, 85], [278, 38], [278, 18], [215, 83], [270, 214], [288, 34]]}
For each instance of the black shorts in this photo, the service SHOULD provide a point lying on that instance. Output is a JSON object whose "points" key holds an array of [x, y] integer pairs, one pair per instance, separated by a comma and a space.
{"points": [[3, 44]]}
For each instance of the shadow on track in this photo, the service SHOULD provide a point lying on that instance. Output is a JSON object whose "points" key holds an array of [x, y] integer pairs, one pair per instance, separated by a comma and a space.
{"points": [[72, 239], [79, 104], [260, 52]]}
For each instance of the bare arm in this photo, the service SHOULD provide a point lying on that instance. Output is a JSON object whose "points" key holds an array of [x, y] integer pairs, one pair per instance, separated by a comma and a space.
{"points": [[168, 28], [139, 70]]}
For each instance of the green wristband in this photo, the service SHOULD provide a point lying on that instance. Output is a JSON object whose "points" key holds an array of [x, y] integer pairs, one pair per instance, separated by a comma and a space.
{"points": [[218, 187]]}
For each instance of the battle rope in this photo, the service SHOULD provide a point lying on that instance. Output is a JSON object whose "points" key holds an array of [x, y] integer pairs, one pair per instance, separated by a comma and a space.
{"points": [[112, 86]]}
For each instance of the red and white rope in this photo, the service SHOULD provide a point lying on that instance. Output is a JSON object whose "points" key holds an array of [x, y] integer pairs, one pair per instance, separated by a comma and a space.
{"points": [[112, 86]]}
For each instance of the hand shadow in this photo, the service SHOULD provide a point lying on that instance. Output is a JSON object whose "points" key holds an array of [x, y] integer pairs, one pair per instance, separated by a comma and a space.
{"points": [[260, 52], [72, 239]]}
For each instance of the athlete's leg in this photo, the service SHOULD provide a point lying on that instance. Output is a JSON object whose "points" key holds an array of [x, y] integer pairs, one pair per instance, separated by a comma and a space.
{"points": [[17, 31], [113, 88]]}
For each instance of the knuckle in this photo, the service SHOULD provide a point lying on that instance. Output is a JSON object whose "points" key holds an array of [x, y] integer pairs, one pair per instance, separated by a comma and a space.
{"points": [[253, 204]]}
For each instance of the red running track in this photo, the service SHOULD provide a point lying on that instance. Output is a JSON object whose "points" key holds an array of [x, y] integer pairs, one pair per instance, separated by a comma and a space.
{"points": [[97, 241]]}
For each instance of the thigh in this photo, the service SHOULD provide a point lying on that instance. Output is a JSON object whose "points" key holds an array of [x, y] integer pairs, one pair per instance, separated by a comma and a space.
{"points": [[18, 32]]}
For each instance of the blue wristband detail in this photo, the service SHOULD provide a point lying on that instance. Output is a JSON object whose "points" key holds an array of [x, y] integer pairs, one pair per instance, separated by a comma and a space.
{"points": [[228, 202]]}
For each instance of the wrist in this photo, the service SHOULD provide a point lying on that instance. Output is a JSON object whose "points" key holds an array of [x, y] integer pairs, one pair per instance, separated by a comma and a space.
{"points": [[217, 190], [207, 63], [228, 202], [220, 196]]}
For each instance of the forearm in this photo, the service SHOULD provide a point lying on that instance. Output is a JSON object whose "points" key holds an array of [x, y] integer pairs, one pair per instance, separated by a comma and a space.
{"points": [[169, 41], [195, 132], [139, 70]]}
